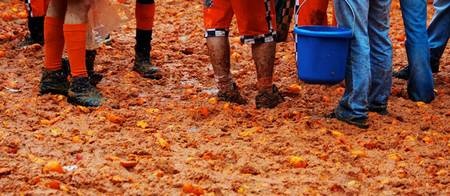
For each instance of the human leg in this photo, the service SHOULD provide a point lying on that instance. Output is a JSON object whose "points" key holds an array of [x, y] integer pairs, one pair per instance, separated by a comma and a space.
{"points": [[81, 91], [54, 79], [353, 106], [217, 19], [439, 32], [420, 83], [36, 10], [380, 55], [259, 29], [145, 13]]}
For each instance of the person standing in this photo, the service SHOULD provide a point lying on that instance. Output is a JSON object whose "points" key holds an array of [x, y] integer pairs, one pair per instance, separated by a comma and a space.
{"points": [[66, 26], [145, 13], [368, 72], [438, 35], [420, 82], [36, 10], [257, 26]]}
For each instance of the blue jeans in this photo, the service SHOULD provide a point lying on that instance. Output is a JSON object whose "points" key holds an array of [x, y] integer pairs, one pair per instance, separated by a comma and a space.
{"points": [[420, 83], [439, 31], [369, 66]]}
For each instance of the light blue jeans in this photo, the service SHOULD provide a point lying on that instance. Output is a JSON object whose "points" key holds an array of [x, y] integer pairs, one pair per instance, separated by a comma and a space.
{"points": [[439, 30], [420, 83], [368, 73]]}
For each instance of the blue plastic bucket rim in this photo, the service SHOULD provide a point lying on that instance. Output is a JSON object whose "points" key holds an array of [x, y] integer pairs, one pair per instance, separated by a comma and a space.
{"points": [[324, 31]]}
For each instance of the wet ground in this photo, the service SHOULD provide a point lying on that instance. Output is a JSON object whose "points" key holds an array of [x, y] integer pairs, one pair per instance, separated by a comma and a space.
{"points": [[172, 137]]}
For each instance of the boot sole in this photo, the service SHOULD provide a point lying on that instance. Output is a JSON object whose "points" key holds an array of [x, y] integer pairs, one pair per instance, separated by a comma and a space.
{"points": [[149, 77], [53, 92], [74, 101]]}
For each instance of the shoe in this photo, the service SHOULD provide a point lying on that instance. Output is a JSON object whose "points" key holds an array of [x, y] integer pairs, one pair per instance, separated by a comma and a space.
{"points": [[54, 82], [359, 122], [402, 73], [380, 110], [143, 66], [82, 92], [268, 99], [232, 95], [94, 77]]}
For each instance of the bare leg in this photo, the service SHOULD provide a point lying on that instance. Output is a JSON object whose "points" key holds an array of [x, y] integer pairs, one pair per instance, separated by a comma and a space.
{"points": [[219, 54], [57, 9], [81, 91], [77, 12], [264, 57]]}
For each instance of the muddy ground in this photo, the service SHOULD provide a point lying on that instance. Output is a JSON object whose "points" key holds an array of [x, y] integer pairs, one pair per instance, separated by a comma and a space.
{"points": [[172, 137]]}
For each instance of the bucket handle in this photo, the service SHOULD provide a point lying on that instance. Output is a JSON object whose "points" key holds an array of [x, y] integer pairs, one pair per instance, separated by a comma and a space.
{"points": [[297, 11]]}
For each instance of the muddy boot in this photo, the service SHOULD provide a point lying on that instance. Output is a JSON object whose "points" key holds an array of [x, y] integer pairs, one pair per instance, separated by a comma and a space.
{"points": [[65, 65], [36, 36], [267, 99], [232, 95], [94, 77], [82, 92], [142, 63], [54, 82]]}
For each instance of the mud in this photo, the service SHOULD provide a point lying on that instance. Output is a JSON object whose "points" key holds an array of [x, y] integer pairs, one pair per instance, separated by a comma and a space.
{"points": [[172, 137]]}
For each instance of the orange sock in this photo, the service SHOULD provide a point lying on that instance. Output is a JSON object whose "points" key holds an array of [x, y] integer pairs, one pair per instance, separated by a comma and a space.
{"points": [[53, 43], [75, 36], [145, 14]]}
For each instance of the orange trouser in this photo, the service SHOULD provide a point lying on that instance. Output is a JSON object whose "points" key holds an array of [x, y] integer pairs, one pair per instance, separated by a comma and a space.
{"points": [[313, 12], [256, 19], [37, 8]]}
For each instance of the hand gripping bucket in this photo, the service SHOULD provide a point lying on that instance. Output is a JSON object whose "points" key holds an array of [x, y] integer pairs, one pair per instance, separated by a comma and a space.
{"points": [[322, 52]]}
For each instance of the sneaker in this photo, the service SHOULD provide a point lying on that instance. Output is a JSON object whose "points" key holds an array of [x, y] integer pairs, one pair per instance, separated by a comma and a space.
{"points": [[232, 95], [54, 82], [359, 122], [143, 66], [268, 99], [82, 92]]}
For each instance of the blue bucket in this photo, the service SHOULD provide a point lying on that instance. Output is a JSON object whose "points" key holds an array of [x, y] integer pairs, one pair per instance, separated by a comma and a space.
{"points": [[322, 53]]}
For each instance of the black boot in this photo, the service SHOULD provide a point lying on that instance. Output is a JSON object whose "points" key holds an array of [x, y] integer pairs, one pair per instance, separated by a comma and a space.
{"points": [[94, 77], [82, 92], [54, 82], [142, 63], [232, 95], [268, 99], [36, 28], [403, 73]]}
